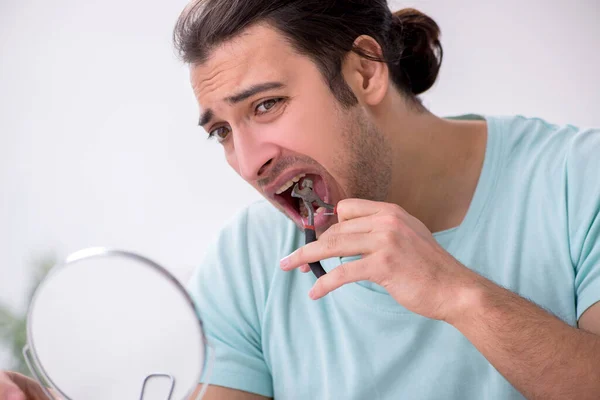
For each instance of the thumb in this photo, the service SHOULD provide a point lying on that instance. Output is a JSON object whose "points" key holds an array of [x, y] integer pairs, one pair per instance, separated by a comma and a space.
{"points": [[26, 387], [9, 389]]}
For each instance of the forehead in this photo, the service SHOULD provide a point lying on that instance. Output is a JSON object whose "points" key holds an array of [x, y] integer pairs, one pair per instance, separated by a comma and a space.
{"points": [[259, 54]]}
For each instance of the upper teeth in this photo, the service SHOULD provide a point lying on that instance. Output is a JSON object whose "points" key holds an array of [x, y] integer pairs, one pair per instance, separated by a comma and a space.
{"points": [[289, 183]]}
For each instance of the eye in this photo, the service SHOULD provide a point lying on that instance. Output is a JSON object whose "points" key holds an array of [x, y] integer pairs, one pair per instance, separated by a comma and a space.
{"points": [[267, 105], [220, 133]]}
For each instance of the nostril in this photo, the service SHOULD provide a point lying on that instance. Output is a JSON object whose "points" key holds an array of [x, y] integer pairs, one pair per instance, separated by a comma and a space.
{"points": [[264, 167]]}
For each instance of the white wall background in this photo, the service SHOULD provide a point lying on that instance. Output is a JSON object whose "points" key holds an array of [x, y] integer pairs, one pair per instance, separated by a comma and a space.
{"points": [[98, 136]]}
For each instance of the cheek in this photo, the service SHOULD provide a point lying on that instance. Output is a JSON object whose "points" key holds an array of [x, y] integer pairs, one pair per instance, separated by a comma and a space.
{"points": [[311, 129]]}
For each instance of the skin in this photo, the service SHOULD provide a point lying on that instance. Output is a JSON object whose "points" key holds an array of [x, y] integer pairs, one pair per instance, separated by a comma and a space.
{"points": [[397, 174], [254, 145]]}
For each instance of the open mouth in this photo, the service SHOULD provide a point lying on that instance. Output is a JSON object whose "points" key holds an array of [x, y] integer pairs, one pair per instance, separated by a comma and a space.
{"points": [[295, 206]]}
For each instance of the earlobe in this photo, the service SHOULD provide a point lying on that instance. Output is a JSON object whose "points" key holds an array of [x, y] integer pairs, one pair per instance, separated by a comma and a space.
{"points": [[368, 77]]}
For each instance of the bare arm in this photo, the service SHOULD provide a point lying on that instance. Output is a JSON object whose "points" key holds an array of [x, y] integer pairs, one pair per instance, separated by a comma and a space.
{"points": [[540, 355], [222, 393]]}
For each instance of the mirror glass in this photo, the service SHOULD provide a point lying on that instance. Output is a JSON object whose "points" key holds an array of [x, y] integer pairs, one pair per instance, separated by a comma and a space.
{"points": [[109, 324]]}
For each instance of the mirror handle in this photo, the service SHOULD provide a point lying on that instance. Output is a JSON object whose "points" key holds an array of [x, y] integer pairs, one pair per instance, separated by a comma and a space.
{"points": [[171, 379]]}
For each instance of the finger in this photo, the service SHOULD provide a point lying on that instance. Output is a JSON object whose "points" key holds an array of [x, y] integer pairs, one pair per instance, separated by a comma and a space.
{"points": [[349, 272], [305, 268], [9, 390], [357, 225], [354, 208], [369, 224], [30, 388], [342, 245]]}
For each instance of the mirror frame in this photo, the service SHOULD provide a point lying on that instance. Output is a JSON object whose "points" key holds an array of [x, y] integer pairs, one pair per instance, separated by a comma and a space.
{"points": [[29, 353]]}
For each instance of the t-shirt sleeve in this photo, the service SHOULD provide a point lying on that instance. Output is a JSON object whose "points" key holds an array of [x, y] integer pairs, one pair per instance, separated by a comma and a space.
{"points": [[227, 295], [583, 199]]}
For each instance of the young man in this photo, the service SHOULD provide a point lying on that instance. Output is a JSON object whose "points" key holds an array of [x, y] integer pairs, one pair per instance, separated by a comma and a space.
{"points": [[463, 261]]}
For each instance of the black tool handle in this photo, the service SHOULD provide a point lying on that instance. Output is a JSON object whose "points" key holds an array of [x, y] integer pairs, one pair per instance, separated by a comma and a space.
{"points": [[310, 236]]}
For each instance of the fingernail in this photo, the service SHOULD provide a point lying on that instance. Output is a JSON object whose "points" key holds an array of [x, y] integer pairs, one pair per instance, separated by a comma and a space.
{"points": [[311, 294], [284, 263]]}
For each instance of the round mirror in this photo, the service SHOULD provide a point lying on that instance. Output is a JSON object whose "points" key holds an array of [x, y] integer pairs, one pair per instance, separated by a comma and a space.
{"points": [[109, 324]]}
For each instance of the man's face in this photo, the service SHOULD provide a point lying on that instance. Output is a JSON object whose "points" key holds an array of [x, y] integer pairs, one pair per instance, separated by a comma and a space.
{"points": [[277, 121]]}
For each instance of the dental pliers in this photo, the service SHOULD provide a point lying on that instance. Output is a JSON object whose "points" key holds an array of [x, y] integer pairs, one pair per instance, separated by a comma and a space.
{"points": [[308, 197]]}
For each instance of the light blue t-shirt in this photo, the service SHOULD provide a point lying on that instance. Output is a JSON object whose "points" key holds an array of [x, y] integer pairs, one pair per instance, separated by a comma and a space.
{"points": [[533, 226]]}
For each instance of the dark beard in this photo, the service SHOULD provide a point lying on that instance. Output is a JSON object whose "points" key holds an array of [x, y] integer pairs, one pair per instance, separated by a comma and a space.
{"points": [[367, 160]]}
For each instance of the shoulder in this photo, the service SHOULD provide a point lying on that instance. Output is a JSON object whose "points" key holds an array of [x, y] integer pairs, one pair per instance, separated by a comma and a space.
{"points": [[582, 183], [526, 135], [532, 145], [583, 155], [574, 149], [562, 163], [523, 133]]}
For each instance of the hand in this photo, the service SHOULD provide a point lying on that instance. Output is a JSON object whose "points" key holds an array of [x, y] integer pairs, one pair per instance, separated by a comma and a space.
{"points": [[15, 386], [398, 252]]}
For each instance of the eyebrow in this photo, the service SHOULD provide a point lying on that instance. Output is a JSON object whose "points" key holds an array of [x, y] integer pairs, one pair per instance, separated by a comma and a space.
{"points": [[208, 115]]}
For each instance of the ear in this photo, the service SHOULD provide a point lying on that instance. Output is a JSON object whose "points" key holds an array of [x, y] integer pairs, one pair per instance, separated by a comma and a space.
{"points": [[368, 79]]}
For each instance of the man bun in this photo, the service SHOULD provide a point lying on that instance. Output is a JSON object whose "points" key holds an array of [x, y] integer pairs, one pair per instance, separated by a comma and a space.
{"points": [[421, 53]]}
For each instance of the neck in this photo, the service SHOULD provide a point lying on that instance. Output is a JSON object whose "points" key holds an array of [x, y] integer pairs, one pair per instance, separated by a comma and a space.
{"points": [[437, 164]]}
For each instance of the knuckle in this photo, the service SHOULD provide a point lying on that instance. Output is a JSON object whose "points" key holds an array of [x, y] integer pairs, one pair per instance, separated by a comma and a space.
{"points": [[381, 238], [338, 278], [369, 270], [332, 241], [342, 204], [342, 274], [392, 221], [332, 230], [410, 235], [387, 258], [388, 238], [396, 209]]}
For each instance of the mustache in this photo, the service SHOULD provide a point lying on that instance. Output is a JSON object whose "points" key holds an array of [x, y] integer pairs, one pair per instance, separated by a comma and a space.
{"points": [[282, 165]]}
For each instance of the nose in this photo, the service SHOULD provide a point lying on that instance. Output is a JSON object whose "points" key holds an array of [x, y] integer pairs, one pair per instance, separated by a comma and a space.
{"points": [[254, 154]]}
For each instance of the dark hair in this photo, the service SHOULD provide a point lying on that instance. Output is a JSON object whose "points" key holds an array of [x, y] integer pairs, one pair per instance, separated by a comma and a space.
{"points": [[324, 30]]}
